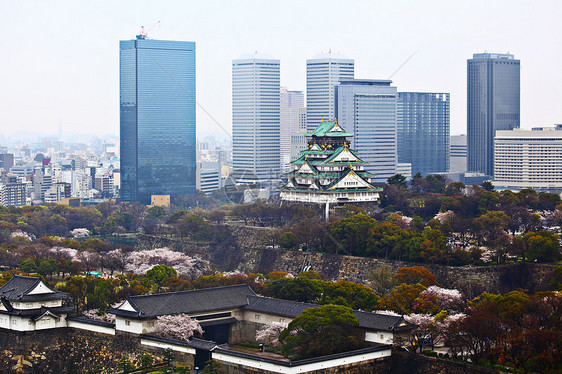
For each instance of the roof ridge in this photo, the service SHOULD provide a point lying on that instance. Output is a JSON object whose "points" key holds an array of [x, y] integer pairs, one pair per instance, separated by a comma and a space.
{"points": [[195, 290]]}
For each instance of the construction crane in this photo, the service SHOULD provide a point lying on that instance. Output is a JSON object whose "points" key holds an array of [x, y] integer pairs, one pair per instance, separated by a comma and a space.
{"points": [[143, 34]]}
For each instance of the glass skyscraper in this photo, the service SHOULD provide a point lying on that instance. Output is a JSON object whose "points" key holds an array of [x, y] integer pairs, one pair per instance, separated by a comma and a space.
{"points": [[423, 131], [255, 117], [157, 104], [367, 108], [493, 103], [323, 72]]}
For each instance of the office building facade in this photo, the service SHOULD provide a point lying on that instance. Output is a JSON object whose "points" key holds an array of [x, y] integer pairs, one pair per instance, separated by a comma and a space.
{"points": [[323, 73], [458, 154], [157, 107], [255, 117], [291, 103], [529, 159], [423, 128], [368, 109], [493, 103]]}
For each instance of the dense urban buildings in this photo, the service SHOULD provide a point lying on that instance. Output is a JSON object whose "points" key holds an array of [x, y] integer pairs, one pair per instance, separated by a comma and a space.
{"points": [[368, 109], [323, 72], [157, 104], [423, 131], [529, 159], [493, 100], [291, 105], [255, 117]]}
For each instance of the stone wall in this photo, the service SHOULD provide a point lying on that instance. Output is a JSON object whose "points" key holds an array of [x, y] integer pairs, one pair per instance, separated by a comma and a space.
{"points": [[66, 350], [408, 363], [471, 280]]}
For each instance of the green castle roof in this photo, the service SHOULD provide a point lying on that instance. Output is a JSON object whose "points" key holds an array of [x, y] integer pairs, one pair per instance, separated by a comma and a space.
{"points": [[329, 128]]}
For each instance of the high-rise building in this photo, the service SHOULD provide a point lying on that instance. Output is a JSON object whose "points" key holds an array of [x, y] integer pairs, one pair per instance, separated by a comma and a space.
{"points": [[255, 117], [423, 131], [367, 108], [291, 102], [298, 139], [493, 88], [458, 154], [157, 104], [323, 72], [529, 159]]}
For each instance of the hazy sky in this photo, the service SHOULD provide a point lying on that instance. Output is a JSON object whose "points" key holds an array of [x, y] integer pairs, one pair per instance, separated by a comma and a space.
{"points": [[60, 59]]}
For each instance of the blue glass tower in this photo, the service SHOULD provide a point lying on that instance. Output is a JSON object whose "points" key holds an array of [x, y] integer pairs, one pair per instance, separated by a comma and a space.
{"points": [[423, 131], [493, 103], [157, 105]]}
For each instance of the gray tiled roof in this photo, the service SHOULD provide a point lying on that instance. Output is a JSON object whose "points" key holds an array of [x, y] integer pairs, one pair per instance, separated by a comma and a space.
{"points": [[279, 307], [376, 321], [189, 302], [18, 287]]}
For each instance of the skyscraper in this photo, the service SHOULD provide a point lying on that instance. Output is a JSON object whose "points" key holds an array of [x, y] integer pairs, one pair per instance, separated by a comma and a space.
{"points": [[367, 108], [323, 72], [157, 104], [493, 88], [255, 116], [291, 103], [423, 131]]}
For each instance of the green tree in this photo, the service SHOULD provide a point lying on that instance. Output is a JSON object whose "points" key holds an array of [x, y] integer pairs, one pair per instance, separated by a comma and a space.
{"points": [[542, 246], [298, 289], [354, 295], [321, 331], [28, 266], [159, 274], [382, 280], [212, 367], [352, 233], [487, 185], [195, 227], [288, 240], [398, 180]]}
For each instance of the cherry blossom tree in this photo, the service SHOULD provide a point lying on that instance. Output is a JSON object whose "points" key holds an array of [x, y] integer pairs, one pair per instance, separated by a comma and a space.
{"points": [[448, 299], [80, 233], [98, 316], [421, 334], [139, 262], [178, 326], [269, 333]]}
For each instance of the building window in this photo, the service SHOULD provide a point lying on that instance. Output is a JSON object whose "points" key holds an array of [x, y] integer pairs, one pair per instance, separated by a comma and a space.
{"points": [[150, 324], [127, 323], [258, 316], [382, 336]]}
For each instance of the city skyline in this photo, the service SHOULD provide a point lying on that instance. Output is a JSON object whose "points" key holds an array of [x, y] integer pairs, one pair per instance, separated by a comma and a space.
{"points": [[77, 70]]}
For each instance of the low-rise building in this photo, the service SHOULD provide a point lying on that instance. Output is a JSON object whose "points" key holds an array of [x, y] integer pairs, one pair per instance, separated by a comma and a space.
{"points": [[28, 304], [528, 159]]}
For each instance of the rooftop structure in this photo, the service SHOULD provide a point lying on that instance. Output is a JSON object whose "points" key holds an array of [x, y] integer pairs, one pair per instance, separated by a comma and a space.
{"points": [[28, 304], [329, 171]]}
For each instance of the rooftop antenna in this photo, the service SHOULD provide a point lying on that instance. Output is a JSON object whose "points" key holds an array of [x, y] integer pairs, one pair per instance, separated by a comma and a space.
{"points": [[143, 34]]}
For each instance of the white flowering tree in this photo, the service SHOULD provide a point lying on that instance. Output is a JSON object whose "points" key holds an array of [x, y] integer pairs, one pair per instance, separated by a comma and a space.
{"points": [[98, 316], [80, 233], [422, 333], [269, 334], [22, 234], [448, 299], [178, 326], [139, 262]]}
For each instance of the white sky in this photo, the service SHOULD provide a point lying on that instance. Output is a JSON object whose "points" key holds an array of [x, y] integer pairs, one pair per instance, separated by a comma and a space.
{"points": [[59, 60]]}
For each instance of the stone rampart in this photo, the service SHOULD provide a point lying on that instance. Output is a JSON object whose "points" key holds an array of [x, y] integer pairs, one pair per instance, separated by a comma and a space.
{"points": [[471, 280]]}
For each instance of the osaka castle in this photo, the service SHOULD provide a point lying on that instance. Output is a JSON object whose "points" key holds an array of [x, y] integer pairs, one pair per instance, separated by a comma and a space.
{"points": [[328, 171]]}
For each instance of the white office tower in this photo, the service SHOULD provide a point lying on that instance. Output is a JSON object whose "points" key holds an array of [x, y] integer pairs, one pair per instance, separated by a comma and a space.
{"points": [[298, 139], [291, 103], [528, 159], [368, 109], [323, 72], [255, 117]]}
